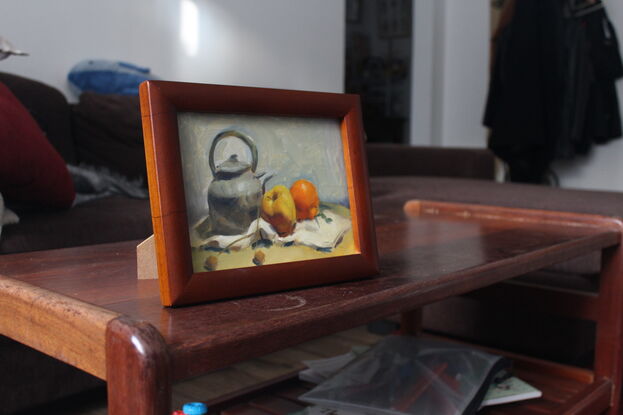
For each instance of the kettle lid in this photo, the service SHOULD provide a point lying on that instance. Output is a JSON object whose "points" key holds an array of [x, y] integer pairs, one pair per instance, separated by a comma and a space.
{"points": [[232, 166]]}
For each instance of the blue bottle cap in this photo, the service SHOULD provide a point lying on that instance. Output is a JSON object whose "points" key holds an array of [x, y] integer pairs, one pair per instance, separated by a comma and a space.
{"points": [[195, 408]]}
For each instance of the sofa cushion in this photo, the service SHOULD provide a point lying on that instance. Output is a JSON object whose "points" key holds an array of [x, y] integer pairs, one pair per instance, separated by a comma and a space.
{"points": [[402, 160], [108, 133], [49, 108], [31, 170], [110, 219]]}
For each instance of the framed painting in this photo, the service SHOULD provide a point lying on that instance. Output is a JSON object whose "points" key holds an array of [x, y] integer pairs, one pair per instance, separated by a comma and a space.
{"points": [[255, 190]]}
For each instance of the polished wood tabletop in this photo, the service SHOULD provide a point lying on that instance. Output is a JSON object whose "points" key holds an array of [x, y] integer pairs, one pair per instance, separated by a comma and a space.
{"points": [[428, 251], [424, 258]]}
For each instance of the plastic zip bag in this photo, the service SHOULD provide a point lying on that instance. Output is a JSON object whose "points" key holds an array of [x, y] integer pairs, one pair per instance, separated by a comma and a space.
{"points": [[408, 375]]}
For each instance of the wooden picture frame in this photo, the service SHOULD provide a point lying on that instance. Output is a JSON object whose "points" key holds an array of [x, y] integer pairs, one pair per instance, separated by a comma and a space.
{"points": [[163, 105]]}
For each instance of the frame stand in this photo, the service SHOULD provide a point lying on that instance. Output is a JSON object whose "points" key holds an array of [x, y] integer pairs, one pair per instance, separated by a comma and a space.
{"points": [[146, 263]]}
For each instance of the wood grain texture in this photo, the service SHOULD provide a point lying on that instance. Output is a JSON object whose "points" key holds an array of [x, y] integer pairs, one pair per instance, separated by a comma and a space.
{"points": [[160, 103], [423, 208], [429, 253], [424, 259], [138, 365], [276, 406], [593, 399], [606, 308], [96, 274], [161, 170], [67, 329], [609, 337]]}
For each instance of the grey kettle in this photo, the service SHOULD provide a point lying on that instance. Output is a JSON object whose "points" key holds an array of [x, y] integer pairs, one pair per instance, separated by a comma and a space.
{"points": [[235, 193]]}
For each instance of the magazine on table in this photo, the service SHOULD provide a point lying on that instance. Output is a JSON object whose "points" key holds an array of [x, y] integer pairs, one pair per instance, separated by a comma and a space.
{"points": [[503, 387]]}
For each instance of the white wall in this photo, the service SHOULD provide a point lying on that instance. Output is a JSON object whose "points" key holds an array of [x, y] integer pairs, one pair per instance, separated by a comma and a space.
{"points": [[603, 168], [450, 82], [450, 72], [424, 60], [292, 44]]}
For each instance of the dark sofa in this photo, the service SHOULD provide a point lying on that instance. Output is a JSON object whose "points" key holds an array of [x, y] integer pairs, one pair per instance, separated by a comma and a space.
{"points": [[105, 131], [99, 131]]}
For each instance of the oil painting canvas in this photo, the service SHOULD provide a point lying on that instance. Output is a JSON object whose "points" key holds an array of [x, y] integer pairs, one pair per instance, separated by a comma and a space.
{"points": [[263, 189]]}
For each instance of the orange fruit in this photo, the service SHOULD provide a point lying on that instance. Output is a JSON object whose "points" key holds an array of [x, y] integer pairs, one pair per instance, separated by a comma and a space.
{"points": [[305, 199]]}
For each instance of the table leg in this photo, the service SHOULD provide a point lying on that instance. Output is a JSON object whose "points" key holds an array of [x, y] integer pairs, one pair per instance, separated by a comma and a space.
{"points": [[137, 369], [411, 322], [609, 337]]}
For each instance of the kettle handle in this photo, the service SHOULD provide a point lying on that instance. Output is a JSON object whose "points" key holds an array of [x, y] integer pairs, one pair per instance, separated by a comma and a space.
{"points": [[233, 133]]}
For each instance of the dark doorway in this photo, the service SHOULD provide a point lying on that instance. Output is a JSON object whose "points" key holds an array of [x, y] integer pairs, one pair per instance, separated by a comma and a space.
{"points": [[378, 65]]}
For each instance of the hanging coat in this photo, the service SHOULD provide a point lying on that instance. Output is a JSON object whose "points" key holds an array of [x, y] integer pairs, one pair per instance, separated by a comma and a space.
{"points": [[552, 92]]}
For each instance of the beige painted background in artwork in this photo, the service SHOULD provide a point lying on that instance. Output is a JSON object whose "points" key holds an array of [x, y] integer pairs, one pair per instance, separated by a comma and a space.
{"points": [[289, 147]]}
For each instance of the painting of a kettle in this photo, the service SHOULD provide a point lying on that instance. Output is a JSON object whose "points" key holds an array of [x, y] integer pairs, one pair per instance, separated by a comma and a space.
{"points": [[235, 193]]}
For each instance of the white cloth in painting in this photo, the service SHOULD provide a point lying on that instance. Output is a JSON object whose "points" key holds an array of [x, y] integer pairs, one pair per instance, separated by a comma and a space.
{"points": [[319, 233], [7, 216]]}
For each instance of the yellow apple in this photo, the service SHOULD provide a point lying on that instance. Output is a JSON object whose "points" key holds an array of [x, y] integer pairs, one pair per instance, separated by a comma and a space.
{"points": [[279, 210]]}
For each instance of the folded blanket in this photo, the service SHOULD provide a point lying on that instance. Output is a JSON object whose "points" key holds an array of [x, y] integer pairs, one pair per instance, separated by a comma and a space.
{"points": [[94, 183], [7, 216]]}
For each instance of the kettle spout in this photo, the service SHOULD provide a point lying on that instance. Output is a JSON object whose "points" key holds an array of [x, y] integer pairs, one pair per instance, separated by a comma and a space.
{"points": [[264, 177]]}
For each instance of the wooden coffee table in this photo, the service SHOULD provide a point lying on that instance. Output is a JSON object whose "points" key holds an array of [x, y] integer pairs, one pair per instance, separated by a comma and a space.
{"points": [[85, 306]]}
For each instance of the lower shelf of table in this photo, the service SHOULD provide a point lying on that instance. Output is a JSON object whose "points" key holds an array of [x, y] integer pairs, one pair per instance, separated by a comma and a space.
{"points": [[565, 389]]}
